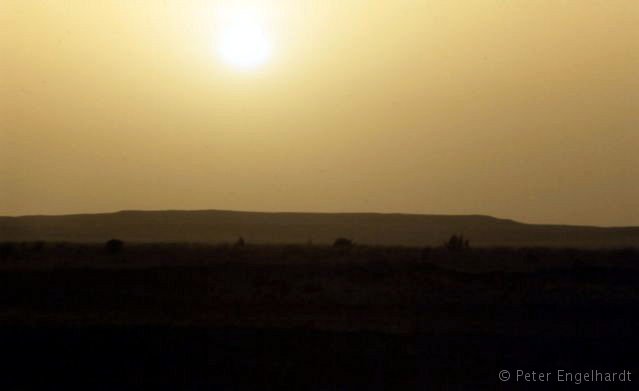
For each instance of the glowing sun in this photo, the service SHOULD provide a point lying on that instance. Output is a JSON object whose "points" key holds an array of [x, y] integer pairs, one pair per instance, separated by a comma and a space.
{"points": [[243, 41]]}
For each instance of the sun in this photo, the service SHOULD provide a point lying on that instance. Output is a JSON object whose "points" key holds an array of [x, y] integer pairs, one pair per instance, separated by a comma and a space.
{"points": [[243, 40]]}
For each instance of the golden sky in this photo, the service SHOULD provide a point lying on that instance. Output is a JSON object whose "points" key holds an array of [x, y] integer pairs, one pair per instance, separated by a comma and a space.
{"points": [[523, 109]]}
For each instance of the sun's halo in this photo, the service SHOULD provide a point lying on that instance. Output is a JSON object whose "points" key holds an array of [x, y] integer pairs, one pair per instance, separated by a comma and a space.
{"points": [[243, 41]]}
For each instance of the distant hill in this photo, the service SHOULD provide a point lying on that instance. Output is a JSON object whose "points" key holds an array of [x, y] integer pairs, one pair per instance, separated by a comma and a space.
{"points": [[214, 226]]}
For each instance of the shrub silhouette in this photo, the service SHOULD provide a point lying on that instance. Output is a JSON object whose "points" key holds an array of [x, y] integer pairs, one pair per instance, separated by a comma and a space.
{"points": [[38, 246], [343, 243], [457, 243], [240, 242], [114, 246]]}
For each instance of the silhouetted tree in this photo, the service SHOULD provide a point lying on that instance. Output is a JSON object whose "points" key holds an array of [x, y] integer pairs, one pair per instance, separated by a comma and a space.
{"points": [[114, 246], [240, 242], [457, 243]]}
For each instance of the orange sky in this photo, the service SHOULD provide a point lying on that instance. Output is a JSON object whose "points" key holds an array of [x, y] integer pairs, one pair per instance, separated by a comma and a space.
{"points": [[520, 109]]}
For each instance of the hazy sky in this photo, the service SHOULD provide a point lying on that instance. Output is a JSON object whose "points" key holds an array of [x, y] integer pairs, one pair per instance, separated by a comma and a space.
{"points": [[524, 109]]}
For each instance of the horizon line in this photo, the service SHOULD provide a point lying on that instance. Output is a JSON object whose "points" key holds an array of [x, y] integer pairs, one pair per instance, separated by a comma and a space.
{"points": [[316, 213]]}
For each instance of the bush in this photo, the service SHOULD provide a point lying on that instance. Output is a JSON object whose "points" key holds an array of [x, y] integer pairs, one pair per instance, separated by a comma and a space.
{"points": [[38, 246], [114, 246], [426, 253], [343, 243]]}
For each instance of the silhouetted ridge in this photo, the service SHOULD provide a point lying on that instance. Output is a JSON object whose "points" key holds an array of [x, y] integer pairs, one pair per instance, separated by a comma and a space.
{"points": [[214, 226]]}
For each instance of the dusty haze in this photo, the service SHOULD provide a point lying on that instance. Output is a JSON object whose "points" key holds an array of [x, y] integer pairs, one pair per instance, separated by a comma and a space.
{"points": [[520, 109]]}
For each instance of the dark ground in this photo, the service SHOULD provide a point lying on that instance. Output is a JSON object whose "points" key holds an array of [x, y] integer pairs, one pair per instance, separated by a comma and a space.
{"points": [[310, 317]]}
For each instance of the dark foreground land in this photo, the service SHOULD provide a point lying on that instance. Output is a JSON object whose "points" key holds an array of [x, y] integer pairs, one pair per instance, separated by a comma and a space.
{"points": [[311, 317]]}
